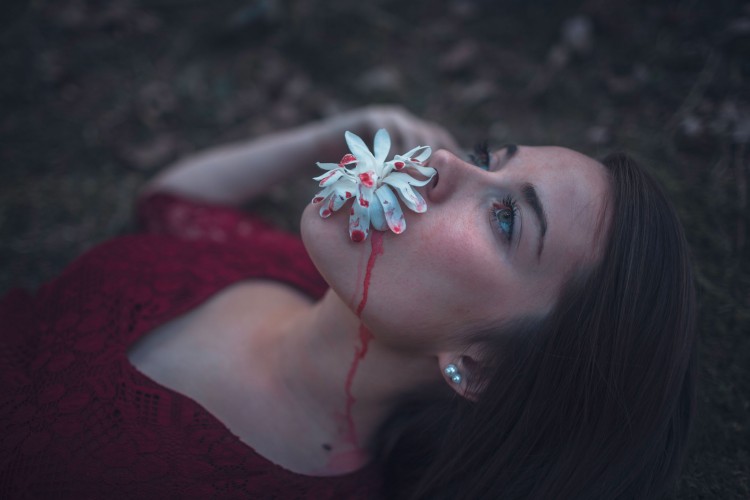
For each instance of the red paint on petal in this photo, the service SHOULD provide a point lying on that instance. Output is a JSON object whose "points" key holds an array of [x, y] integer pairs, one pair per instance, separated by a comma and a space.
{"points": [[327, 177], [348, 194], [347, 159], [399, 165], [326, 213], [317, 199], [364, 202], [366, 179], [358, 236]]}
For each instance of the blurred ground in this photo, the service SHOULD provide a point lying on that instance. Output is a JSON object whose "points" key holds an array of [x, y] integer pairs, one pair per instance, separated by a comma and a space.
{"points": [[97, 95]]}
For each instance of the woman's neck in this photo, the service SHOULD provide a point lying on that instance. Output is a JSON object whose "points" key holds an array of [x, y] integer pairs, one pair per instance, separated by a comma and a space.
{"points": [[346, 381]]}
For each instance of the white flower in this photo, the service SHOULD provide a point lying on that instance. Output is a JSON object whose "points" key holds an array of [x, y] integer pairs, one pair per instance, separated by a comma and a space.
{"points": [[370, 180]]}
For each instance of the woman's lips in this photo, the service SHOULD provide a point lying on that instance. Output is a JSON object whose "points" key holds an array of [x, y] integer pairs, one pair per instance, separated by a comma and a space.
{"points": [[432, 185]]}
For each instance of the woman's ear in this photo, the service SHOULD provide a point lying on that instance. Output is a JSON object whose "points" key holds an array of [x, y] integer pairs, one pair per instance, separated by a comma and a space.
{"points": [[463, 373]]}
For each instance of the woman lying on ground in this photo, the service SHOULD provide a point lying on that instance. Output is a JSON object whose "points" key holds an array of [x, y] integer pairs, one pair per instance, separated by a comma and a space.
{"points": [[529, 336]]}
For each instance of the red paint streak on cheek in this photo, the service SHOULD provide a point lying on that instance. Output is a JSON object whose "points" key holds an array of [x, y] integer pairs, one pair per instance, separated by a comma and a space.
{"points": [[364, 338]]}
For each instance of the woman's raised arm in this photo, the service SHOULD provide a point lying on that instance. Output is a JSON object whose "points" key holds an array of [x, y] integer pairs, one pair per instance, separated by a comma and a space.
{"points": [[236, 173]]}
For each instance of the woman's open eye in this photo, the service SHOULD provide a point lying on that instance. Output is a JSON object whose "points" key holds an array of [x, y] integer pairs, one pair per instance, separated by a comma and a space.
{"points": [[504, 216]]}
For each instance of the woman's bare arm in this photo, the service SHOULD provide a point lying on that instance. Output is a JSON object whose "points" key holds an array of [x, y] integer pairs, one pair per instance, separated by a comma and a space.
{"points": [[236, 173]]}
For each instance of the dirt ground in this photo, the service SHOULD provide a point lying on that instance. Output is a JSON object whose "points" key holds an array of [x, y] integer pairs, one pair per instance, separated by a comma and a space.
{"points": [[96, 96]]}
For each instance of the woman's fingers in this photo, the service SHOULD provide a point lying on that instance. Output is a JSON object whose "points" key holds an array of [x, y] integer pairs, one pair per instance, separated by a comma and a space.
{"points": [[406, 130]]}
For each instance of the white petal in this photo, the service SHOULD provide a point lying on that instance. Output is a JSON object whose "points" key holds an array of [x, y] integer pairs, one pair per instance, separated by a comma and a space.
{"points": [[394, 216], [329, 178], [377, 216], [328, 166], [322, 194], [409, 154], [402, 178], [426, 171], [388, 167], [326, 208], [411, 198], [359, 222], [345, 189], [359, 149], [424, 154], [381, 146]]}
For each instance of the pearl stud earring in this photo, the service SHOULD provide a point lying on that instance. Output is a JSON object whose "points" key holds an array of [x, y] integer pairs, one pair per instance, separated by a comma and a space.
{"points": [[452, 372]]}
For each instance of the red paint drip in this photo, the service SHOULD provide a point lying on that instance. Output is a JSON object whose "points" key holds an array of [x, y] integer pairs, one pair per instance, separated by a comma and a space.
{"points": [[377, 249], [364, 338]]}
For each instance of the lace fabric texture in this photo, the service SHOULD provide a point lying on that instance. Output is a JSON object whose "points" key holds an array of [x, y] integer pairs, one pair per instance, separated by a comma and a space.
{"points": [[77, 420]]}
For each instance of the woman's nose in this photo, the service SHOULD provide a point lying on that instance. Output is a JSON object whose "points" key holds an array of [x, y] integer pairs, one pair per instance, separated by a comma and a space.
{"points": [[453, 173]]}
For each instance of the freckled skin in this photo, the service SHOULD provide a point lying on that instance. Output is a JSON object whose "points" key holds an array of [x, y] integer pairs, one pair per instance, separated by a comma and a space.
{"points": [[452, 267]]}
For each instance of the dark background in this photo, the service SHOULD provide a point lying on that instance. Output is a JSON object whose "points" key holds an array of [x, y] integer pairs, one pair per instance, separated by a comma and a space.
{"points": [[96, 96]]}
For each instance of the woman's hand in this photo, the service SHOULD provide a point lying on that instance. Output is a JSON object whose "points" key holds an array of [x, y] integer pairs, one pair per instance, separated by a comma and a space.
{"points": [[406, 130], [236, 173]]}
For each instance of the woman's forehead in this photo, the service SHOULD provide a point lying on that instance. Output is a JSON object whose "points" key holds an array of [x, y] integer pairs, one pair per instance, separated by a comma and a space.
{"points": [[573, 189]]}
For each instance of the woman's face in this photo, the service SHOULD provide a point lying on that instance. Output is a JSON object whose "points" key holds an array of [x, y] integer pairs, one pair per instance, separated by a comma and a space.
{"points": [[493, 245]]}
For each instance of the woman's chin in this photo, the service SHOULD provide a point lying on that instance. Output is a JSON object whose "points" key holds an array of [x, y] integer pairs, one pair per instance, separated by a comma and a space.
{"points": [[331, 232], [327, 242]]}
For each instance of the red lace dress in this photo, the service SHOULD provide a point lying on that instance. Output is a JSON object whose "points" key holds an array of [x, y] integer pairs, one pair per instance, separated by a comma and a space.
{"points": [[77, 420]]}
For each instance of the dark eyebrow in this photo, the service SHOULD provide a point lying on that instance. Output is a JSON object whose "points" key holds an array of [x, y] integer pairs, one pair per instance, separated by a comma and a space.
{"points": [[530, 196]]}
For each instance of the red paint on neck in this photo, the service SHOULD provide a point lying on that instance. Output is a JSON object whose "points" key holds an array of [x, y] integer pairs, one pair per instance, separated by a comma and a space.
{"points": [[359, 354], [364, 338]]}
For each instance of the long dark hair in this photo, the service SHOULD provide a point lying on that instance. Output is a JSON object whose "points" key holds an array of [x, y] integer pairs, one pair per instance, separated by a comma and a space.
{"points": [[592, 401]]}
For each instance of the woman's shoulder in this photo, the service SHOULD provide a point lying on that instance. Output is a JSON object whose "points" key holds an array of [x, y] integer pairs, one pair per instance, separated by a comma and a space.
{"points": [[105, 299]]}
